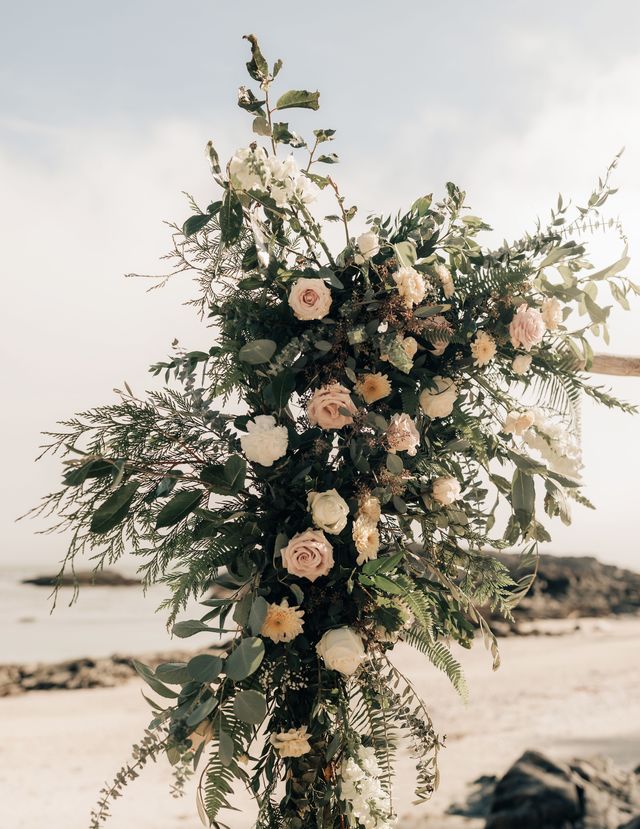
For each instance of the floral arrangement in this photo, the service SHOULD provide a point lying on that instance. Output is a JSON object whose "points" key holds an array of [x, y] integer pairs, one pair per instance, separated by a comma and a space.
{"points": [[398, 396]]}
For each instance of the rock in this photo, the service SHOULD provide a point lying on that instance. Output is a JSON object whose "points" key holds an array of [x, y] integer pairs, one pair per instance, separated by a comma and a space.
{"points": [[82, 673], [538, 792], [570, 587], [90, 578]]}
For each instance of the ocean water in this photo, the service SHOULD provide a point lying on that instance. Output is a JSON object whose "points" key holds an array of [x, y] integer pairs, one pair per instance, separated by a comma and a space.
{"points": [[103, 620]]}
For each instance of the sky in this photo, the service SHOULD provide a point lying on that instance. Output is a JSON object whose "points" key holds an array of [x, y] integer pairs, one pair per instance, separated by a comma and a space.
{"points": [[105, 110]]}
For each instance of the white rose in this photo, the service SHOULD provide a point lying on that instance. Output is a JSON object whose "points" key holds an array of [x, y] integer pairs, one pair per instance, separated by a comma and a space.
{"points": [[342, 650], [368, 244], [552, 313], [438, 401], [248, 170], [310, 299], [328, 510], [265, 441], [411, 286], [521, 364], [445, 491]]}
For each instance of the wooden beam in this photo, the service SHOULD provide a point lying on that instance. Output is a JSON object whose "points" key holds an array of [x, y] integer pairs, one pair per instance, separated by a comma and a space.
{"points": [[615, 364]]}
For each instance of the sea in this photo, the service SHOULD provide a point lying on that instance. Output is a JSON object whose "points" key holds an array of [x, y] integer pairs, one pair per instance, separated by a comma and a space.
{"points": [[101, 622]]}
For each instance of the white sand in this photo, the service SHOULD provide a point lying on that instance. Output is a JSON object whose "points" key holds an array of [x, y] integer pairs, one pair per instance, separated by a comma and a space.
{"points": [[570, 695]]}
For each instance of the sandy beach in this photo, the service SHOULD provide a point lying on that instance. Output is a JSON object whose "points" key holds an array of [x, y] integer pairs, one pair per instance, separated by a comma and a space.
{"points": [[570, 695]]}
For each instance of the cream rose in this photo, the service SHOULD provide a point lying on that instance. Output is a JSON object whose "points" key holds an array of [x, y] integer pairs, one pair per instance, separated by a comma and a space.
{"points": [[526, 328], [328, 510], [291, 743], [402, 434], [265, 441], [439, 401], [446, 280], [410, 285], [310, 299], [517, 423], [552, 313], [369, 246], [328, 405], [342, 650], [445, 491], [521, 364], [308, 555]]}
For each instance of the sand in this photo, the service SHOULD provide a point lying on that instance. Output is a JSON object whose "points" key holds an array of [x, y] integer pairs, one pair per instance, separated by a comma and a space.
{"points": [[571, 695]]}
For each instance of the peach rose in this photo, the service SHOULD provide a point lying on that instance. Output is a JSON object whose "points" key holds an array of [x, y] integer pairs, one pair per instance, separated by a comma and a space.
{"points": [[527, 327], [308, 555], [331, 407], [310, 299]]}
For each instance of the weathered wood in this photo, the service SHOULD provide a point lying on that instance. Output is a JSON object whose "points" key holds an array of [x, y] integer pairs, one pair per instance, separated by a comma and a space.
{"points": [[617, 365]]}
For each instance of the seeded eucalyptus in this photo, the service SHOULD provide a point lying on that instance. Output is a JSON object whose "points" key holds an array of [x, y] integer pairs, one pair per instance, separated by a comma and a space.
{"points": [[353, 503]]}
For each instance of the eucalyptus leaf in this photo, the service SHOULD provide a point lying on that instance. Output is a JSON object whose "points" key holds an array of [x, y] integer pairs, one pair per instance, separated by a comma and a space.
{"points": [[257, 351], [250, 707], [205, 667], [300, 98], [245, 659]]}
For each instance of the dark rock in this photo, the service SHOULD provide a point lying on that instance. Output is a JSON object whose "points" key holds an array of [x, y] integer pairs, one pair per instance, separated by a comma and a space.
{"points": [[570, 587], [538, 792], [82, 673], [102, 578]]}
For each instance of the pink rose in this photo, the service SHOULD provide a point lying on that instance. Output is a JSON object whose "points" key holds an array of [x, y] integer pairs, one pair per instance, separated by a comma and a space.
{"points": [[527, 327], [328, 405], [308, 555], [402, 434], [310, 299]]}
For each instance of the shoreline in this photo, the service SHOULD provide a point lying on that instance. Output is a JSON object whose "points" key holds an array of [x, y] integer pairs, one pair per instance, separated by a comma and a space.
{"points": [[568, 696]]}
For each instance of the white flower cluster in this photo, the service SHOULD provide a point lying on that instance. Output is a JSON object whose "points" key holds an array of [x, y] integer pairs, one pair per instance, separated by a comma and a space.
{"points": [[362, 792], [252, 169], [556, 444]]}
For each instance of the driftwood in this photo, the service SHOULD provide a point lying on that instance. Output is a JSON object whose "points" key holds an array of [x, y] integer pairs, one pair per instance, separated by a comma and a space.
{"points": [[614, 364]]}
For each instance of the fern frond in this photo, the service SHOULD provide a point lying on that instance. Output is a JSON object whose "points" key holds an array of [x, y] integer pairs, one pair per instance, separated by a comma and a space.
{"points": [[440, 657]]}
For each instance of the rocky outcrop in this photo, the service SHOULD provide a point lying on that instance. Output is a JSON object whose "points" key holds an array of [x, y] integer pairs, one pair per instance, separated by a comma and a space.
{"points": [[572, 587], [101, 578], [81, 673], [584, 794]]}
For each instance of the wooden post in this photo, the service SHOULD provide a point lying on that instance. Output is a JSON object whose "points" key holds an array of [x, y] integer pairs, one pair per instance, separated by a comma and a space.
{"points": [[617, 365]]}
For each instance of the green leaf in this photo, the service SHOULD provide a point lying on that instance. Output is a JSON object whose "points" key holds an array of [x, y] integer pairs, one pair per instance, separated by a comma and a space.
{"points": [[178, 507], [258, 614], [214, 476], [257, 351], [394, 464], [195, 223], [231, 218], [330, 158], [112, 511], [388, 586], [257, 67], [245, 659], [77, 475], [392, 347], [147, 674], [226, 748], [250, 707], [405, 254], [298, 98], [523, 497], [201, 712], [261, 126], [279, 390], [175, 673], [205, 667], [187, 628], [235, 471]]}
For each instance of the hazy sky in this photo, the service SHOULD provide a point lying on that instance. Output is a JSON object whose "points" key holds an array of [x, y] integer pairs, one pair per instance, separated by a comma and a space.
{"points": [[104, 113]]}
